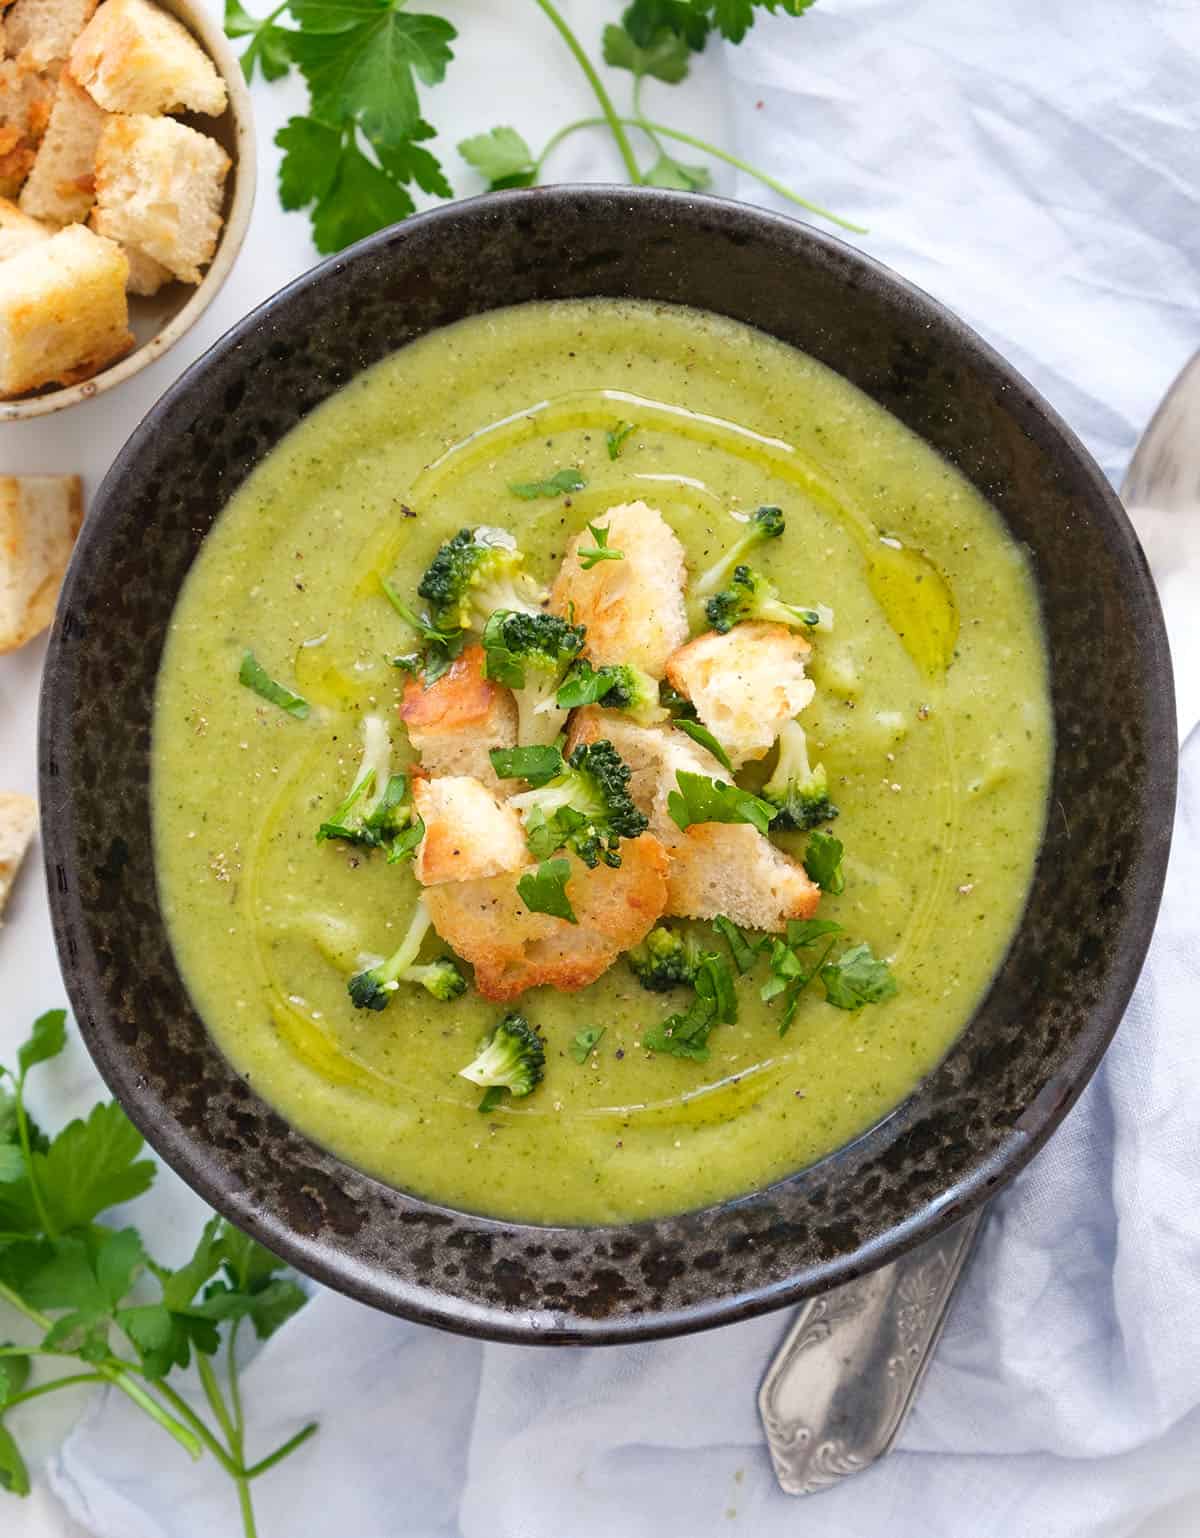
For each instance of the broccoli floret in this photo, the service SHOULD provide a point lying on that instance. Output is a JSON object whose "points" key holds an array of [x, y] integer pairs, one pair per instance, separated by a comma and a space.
{"points": [[586, 809], [377, 814], [474, 574], [373, 988], [511, 1058], [619, 687], [767, 523], [750, 596], [531, 654], [800, 791], [665, 959]]}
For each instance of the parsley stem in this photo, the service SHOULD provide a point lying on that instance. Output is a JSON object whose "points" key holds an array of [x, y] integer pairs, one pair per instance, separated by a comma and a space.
{"points": [[233, 1433], [119, 1378], [283, 1452], [23, 1134], [615, 123], [19, 1303], [185, 1412], [49, 1388]]}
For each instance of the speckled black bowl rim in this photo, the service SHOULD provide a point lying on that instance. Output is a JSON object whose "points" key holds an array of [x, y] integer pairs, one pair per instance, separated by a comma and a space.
{"points": [[620, 1283]]}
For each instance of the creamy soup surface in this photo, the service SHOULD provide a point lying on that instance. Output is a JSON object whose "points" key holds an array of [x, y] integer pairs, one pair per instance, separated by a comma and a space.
{"points": [[931, 717]]}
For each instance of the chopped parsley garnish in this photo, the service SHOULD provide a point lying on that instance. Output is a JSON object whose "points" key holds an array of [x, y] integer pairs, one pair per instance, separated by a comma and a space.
{"points": [[616, 436], [560, 484], [545, 890], [255, 676], [537, 765], [823, 862], [744, 954], [715, 1003], [700, 799], [856, 978], [705, 738], [586, 1042], [590, 555]]}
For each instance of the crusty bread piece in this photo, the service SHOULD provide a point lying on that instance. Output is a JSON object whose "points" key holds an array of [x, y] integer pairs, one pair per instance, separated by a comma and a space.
{"points": [[715, 867], [39, 33], [25, 101], [62, 183], [134, 57], [512, 949], [159, 186], [456, 722], [18, 824], [17, 230], [146, 276], [39, 519], [63, 311], [744, 684], [469, 832], [633, 608]]}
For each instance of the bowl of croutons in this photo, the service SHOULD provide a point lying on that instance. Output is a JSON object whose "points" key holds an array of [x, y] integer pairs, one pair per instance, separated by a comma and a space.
{"points": [[126, 181]]}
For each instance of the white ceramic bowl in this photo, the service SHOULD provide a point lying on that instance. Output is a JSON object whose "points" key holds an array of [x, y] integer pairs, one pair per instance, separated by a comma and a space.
{"points": [[159, 321]]}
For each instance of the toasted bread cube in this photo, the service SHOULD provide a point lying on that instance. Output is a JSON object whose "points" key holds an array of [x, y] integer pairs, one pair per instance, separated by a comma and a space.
{"points": [[456, 722], [25, 101], [63, 311], [513, 949], [146, 276], [744, 684], [17, 231], [39, 33], [40, 516], [633, 608], [62, 183], [159, 187], [18, 824], [134, 57], [469, 833]]}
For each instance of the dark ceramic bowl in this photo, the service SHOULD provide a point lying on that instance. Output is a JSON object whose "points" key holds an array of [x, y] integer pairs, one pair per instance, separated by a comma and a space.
{"points": [[1047, 1018]]}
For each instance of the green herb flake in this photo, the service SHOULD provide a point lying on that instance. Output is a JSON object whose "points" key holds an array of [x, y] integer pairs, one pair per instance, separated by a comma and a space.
{"points": [[560, 484], [255, 676], [535, 764], [701, 735], [592, 555], [856, 978], [744, 954], [545, 890], [823, 862], [701, 799], [586, 1042], [502, 158], [616, 436]]}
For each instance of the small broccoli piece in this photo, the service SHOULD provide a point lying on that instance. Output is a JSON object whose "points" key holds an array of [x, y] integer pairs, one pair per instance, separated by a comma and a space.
{"points": [[587, 809], [800, 791], [377, 813], [750, 596], [474, 574], [511, 1058], [531, 654], [373, 987], [619, 687], [767, 523], [666, 959]]}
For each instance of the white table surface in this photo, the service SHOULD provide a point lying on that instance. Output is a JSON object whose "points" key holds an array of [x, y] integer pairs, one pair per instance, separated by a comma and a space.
{"points": [[492, 68]]}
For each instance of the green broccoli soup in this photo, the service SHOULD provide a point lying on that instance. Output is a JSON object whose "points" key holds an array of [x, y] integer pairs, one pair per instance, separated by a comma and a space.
{"points": [[599, 761]]}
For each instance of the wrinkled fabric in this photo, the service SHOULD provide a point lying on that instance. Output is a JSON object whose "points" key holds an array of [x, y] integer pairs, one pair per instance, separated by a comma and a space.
{"points": [[1034, 166]]}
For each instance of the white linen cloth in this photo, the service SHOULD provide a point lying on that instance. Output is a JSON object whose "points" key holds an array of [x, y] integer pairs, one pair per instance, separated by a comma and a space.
{"points": [[1034, 165]]}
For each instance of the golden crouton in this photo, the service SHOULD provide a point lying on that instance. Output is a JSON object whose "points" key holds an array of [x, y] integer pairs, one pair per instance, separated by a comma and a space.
{"points": [[633, 608], [39, 519], [745, 684], [146, 276], [18, 823], [17, 230], [39, 33], [715, 867], [63, 311], [469, 834], [25, 101], [134, 57], [512, 949], [62, 183], [456, 722], [159, 187]]}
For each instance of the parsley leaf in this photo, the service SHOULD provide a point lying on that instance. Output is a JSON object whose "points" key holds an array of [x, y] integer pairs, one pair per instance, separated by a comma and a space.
{"points": [[669, 172], [801, 932], [269, 43], [47, 1039], [666, 56], [14, 1476], [700, 799], [591, 555], [705, 738], [501, 156], [686, 1035], [688, 19], [823, 862], [558, 485], [856, 978], [255, 676], [616, 436], [14, 1374], [90, 1166], [537, 765], [586, 1042], [744, 954], [545, 890], [734, 18]]}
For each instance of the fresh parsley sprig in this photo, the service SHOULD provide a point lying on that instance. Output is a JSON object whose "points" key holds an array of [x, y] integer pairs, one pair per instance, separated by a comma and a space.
{"points": [[354, 159], [71, 1277], [592, 555]]}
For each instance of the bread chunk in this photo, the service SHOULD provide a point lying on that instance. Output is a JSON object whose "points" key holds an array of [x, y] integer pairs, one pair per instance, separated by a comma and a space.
{"points": [[456, 722], [633, 608], [159, 187], [469, 833], [18, 824], [745, 684], [63, 311], [146, 276], [62, 183], [25, 101], [512, 949], [17, 231], [40, 516], [39, 33], [135, 57]]}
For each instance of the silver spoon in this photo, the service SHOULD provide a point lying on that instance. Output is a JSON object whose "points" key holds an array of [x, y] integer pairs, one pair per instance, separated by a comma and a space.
{"points": [[836, 1396]]}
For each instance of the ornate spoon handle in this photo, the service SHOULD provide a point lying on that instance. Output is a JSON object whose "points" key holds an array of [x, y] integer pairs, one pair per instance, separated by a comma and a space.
{"points": [[835, 1397]]}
